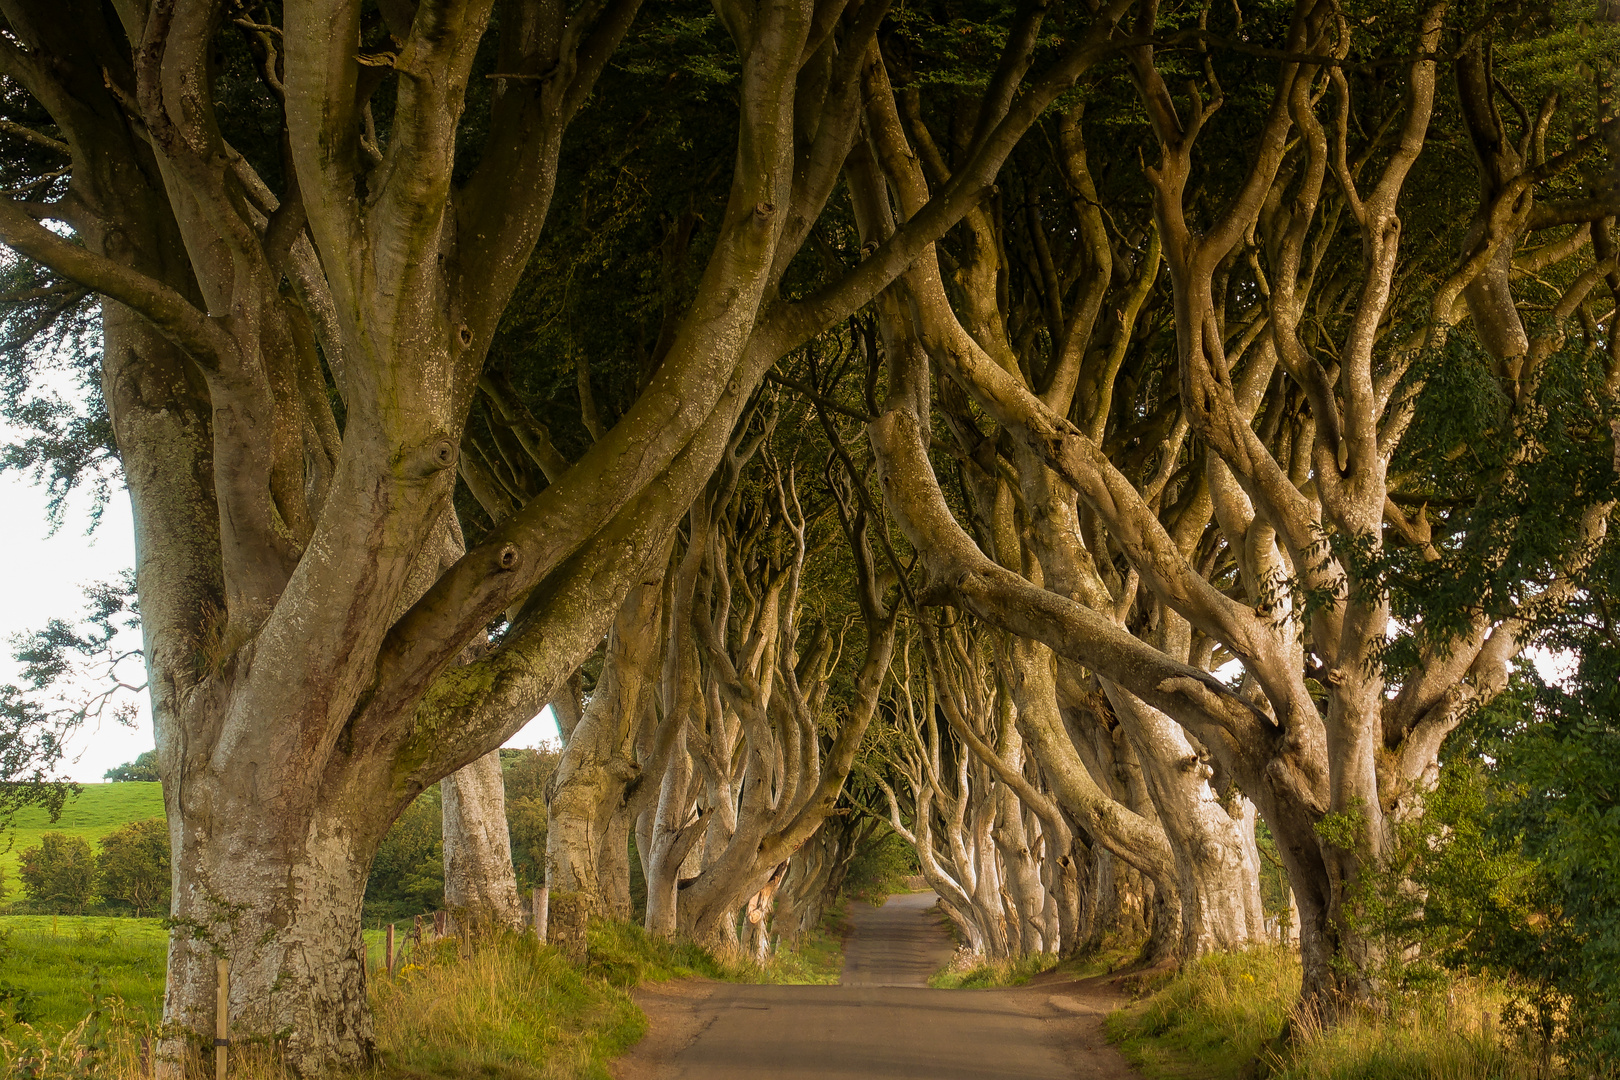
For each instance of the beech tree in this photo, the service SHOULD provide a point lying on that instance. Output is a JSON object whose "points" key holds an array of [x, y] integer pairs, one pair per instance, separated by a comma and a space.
{"points": [[294, 326], [1292, 487]]}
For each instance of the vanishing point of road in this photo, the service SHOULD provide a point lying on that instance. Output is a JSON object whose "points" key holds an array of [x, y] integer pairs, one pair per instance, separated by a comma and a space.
{"points": [[881, 1022]]}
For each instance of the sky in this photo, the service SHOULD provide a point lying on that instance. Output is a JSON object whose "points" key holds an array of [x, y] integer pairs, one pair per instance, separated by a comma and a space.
{"points": [[49, 574]]}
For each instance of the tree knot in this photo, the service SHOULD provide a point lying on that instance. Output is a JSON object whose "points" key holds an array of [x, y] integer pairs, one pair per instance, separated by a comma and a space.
{"points": [[429, 458]]}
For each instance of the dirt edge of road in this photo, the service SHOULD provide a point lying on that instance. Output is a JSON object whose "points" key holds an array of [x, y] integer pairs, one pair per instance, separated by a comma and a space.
{"points": [[677, 1013]]}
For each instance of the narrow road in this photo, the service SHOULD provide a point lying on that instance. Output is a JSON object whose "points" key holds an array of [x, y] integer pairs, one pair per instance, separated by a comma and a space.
{"points": [[881, 1023]]}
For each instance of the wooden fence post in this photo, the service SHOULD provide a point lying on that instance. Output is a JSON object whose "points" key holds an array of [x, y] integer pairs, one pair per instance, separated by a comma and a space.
{"points": [[388, 950], [439, 919], [542, 912], [222, 1016]]}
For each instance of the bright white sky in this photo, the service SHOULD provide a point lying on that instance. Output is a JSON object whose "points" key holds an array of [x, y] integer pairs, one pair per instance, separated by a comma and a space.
{"points": [[47, 580]]}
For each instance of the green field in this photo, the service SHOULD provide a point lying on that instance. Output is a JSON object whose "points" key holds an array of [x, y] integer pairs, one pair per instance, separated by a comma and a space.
{"points": [[62, 959], [92, 814]]}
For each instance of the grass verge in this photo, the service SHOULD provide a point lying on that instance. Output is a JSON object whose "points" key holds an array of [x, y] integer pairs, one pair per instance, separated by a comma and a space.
{"points": [[506, 1007], [1220, 1014]]}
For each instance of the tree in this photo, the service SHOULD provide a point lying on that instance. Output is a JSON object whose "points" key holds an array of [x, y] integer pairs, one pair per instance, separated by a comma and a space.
{"points": [[407, 874], [59, 874], [134, 865], [1289, 483], [143, 768], [527, 773], [304, 226]]}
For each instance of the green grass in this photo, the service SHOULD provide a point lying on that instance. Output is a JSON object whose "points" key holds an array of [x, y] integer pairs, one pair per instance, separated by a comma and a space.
{"points": [[60, 965], [92, 814], [626, 955], [60, 959], [1220, 1016], [507, 1008]]}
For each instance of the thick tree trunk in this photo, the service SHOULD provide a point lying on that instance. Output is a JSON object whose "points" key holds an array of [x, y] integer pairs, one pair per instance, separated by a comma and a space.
{"points": [[480, 886], [279, 893]]}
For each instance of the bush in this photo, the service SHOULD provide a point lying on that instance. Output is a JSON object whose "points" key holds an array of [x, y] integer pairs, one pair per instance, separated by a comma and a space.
{"points": [[1553, 800], [134, 865], [60, 874]]}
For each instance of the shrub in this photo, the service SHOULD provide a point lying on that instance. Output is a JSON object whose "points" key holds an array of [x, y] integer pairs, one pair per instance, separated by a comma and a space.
{"points": [[1553, 798], [60, 874], [134, 865]]}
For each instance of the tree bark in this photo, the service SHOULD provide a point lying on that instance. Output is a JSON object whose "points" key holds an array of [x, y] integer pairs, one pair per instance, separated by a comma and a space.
{"points": [[480, 885]]}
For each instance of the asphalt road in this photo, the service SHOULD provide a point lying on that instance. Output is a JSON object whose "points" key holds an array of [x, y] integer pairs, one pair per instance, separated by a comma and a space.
{"points": [[881, 1023]]}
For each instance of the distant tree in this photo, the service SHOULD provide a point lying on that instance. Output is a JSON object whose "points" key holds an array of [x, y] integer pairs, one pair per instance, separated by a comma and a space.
{"points": [[134, 864], [407, 876], [60, 874], [143, 768], [526, 773]]}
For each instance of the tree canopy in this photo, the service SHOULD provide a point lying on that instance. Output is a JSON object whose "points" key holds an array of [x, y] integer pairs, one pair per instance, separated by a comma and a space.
{"points": [[1068, 432]]}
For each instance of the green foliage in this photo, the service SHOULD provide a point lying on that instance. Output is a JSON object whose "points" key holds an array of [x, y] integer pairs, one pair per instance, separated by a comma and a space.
{"points": [[525, 773], [880, 867], [407, 876], [143, 767], [134, 865], [60, 874], [93, 812], [1554, 802]]}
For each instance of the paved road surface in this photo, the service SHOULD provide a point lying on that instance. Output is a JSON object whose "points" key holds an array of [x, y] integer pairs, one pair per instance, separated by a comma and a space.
{"points": [[881, 1023]]}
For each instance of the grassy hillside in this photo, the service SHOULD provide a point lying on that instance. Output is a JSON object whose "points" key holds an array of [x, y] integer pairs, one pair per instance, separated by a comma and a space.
{"points": [[92, 814]]}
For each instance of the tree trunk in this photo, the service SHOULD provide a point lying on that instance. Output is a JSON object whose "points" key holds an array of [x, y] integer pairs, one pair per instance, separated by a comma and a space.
{"points": [[673, 837], [279, 893], [589, 785], [480, 886], [1216, 880]]}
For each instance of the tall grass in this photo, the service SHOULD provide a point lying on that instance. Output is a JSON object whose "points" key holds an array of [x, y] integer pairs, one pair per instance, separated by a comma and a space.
{"points": [[503, 1008], [1220, 1018]]}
